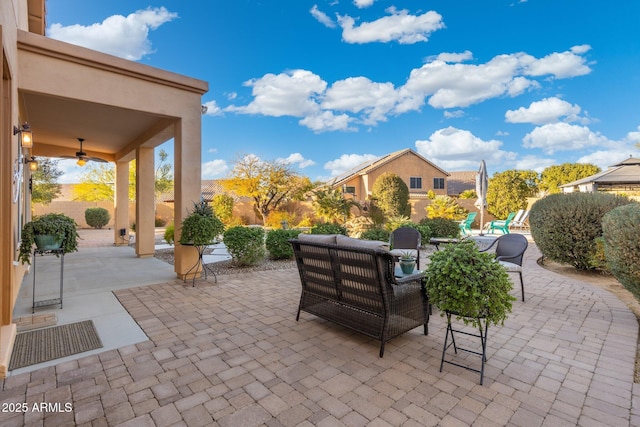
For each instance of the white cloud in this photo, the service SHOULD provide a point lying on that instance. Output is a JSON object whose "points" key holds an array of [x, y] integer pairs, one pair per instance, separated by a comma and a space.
{"points": [[297, 158], [363, 3], [453, 114], [399, 26], [359, 94], [549, 110], [563, 137], [442, 83], [535, 163], [561, 65], [347, 162], [322, 17], [327, 121], [126, 37], [72, 173], [457, 149], [284, 94], [214, 169], [212, 108]]}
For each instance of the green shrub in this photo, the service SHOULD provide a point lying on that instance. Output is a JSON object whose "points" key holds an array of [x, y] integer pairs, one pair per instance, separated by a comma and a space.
{"points": [[97, 217], [358, 225], [441, 227], [222, 205], [377, 233], [328, 228], [621, 232], [245, 244], [565, 226], [425, 232], [278, 244], [397, 221], [168, 234], [159, 221]]}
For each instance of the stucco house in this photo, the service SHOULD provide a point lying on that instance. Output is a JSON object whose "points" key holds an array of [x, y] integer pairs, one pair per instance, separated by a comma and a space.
{"points": [[122, 109], [623, 177], [418, 173]]}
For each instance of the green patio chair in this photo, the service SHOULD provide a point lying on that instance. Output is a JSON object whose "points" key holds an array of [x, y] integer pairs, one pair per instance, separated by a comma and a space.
{"points": [[501, 224], [465, 224]]}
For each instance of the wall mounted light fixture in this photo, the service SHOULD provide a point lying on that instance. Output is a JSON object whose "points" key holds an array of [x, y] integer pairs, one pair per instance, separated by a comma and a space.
{"points": [[32, 162], [26, 135]]}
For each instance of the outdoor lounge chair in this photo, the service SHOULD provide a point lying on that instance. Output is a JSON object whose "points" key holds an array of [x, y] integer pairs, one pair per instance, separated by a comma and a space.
{"points": [[405, 239], [520, 222], [500, 224], [465, 224], [510, 250]]}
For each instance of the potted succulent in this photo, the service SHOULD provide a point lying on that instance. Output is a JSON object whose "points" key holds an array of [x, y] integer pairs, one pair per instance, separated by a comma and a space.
{"points": [[201, 227], [470, 284], [407, 262], [48, 232]]}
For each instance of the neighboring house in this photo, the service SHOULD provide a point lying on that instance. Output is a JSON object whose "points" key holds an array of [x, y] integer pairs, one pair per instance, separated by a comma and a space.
{"points": [[459, 182], [623, 177], [418, 173]]}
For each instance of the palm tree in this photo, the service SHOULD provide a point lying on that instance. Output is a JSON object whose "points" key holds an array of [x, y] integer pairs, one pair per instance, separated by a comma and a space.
{"points": [[330, 205]]}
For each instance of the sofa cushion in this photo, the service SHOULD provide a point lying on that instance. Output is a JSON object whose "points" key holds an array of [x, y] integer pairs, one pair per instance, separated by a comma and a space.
{"points": [[359, 243], [318, 238]]}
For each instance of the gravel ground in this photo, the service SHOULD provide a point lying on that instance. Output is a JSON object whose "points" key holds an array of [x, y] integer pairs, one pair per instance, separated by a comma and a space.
{"points": [[227, 267]]}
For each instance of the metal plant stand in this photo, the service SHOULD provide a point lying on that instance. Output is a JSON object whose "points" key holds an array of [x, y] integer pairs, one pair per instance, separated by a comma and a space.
{"points": [[200, 263], [52, 301], [482, 334]]}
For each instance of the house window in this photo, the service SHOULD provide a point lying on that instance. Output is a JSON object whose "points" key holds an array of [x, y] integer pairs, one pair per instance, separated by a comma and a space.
{"points": [[347, 189], [415, 182], [438, 183]]}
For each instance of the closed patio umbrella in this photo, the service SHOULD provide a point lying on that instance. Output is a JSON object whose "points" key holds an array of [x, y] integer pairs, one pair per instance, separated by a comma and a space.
{"points": [[482, 182]]}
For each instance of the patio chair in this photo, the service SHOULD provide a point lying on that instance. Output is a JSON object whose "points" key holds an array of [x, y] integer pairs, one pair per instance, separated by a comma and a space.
{"points": [[500, 224], [405, 239], [465, 224], [520, 222], [510, 250]]}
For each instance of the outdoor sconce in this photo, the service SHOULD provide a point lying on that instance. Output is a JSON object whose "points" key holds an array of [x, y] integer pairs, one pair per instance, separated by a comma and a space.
{"points": [[32, 162], [26, 136]]}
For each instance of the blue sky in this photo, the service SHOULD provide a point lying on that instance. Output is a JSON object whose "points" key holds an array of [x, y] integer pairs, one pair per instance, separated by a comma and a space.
{"points": [[325, 85]]}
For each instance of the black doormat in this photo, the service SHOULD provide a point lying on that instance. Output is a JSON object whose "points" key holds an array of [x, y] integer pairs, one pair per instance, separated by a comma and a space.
{"points": [[42, 345]]}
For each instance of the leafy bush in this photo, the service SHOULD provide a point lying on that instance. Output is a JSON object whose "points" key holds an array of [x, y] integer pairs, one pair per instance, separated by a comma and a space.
{"points": [[358, 225], [441, 227], [391, 195], [565, 226], [222, 205], [168, 234], [328, 228], [160, 222], [97, 217], [425, 232], [60, 226], [469, 283], [621, 232], [275, 218], [201, 226], [445, 207], [377, 233], [278, 244], [245, 244], [397, 221]]}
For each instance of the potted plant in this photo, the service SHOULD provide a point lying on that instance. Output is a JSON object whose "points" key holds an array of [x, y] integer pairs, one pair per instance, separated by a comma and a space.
{"points": [[48, 232], [470, 284], [201, 227], [407, 262]]}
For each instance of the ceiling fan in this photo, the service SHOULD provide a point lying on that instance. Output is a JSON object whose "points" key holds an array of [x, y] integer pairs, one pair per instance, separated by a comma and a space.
{"points": [[82, 156]]}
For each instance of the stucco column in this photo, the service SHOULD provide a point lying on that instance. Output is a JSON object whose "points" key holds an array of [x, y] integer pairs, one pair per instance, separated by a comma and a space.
{"points": [[187, 166], [145, 209], [121, 204]]}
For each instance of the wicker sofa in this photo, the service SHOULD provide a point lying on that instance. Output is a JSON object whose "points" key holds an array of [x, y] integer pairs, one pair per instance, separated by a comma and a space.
{"points": [[351, 282]]}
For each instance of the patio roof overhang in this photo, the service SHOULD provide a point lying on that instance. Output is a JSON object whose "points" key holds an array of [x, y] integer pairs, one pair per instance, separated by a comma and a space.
{"points": [[68, 92]]}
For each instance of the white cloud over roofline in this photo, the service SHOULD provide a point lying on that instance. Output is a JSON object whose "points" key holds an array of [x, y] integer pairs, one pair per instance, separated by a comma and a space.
{"points": [[126, 37]]}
